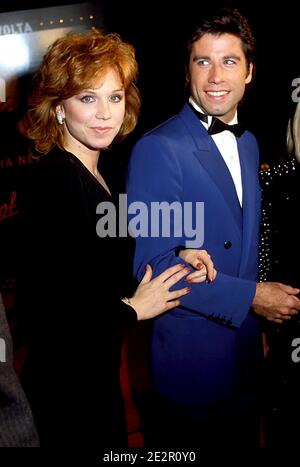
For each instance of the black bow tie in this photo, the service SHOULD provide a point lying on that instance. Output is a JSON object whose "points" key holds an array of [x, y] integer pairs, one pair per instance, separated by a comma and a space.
{"points": [[217, 125]]}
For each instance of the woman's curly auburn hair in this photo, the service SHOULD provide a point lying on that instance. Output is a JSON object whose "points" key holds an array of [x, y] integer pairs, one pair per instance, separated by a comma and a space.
{"points": [[71, 64]]}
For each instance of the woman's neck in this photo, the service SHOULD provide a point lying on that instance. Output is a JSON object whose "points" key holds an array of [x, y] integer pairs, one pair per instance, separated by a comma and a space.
{"points": [[89, 159]]}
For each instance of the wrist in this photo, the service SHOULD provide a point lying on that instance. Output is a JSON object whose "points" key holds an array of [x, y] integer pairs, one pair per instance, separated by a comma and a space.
{"points": [[129, 313], [127, 301], [130, 301], [256, 298]]}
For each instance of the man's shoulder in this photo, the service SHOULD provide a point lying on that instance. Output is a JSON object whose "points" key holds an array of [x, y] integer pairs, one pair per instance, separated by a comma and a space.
{"points": [[177, 132], [169, 127], [159, 141], [248, 140]]}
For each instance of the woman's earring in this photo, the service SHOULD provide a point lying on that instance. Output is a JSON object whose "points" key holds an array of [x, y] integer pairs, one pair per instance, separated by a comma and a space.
{"points": [[59, 117]]}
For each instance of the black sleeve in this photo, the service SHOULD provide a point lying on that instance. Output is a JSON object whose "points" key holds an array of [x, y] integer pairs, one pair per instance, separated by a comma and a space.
{"points": [[128, 314]]}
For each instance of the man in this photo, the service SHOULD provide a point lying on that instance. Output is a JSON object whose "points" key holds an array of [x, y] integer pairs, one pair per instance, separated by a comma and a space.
{"points": [[206, 353], [16, 423]]}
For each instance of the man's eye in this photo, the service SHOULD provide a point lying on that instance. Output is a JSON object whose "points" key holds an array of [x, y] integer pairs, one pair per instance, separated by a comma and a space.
{"points": [[202, 62], [229, 61], [115, 98], [87, 99]]}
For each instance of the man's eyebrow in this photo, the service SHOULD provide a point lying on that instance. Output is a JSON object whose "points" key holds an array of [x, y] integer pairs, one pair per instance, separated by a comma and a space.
{"points": [[226, 57], [236, 57], [202, 57]]}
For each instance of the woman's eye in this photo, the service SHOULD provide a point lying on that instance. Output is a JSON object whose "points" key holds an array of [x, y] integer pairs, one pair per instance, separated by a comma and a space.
{"points": [[115, 98], [87, 99]]}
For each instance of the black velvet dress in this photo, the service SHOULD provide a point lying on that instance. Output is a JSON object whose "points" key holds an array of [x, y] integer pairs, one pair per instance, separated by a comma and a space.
{"points": [[280, 261], [69, 284]]}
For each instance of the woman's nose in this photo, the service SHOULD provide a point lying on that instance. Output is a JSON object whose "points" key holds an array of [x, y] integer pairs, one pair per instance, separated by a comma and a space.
{"points": [[103, 111]]}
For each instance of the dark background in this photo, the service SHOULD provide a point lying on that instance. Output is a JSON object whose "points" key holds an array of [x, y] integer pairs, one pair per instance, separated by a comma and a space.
{"points": [[158, 31]]}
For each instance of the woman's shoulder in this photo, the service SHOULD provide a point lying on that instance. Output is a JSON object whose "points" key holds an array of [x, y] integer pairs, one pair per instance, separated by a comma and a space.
{"points": [[280, 173], [48, 178], [56, 159], [286, 167], [54, 168]]}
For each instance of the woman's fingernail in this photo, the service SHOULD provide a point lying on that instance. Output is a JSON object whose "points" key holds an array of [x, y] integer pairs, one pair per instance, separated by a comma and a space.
{"points": [[199, 265]]}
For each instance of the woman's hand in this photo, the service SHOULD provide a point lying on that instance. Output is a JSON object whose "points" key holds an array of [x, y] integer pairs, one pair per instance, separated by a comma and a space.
{"points": [[153, 297], [201, 261]]}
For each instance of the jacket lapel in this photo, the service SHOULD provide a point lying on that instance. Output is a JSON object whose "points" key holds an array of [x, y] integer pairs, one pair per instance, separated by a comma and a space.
{"points": [[251, 199], [210, 158]]}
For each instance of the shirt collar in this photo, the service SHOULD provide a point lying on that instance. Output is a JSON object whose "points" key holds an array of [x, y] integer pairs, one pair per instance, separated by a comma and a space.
{"points": [[199, 109]]}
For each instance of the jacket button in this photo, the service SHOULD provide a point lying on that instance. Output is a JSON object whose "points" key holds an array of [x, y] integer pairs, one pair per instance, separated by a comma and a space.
{"points": [[227, 245]]}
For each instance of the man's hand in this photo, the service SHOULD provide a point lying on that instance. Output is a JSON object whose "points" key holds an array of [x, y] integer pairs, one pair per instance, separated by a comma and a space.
{"points": [[275, 301], [201, 262]]}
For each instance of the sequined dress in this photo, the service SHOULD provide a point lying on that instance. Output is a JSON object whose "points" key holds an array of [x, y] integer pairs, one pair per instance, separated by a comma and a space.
{"points": [[279, 261]]}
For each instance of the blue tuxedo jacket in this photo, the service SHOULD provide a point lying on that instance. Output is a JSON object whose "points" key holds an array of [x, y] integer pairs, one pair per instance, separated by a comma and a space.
{"points": [[207, 349]]}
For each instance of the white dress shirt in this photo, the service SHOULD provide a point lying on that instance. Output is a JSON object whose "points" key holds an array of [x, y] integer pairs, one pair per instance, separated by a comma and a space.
{"points": [[227, 145]]}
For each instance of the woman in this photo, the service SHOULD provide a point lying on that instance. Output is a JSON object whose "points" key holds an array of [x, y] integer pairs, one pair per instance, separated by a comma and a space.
{"points": [[280, 257], [73, 277]]}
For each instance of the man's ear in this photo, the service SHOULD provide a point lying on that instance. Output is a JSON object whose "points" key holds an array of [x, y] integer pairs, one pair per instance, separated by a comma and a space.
{"points": [[187, 74], [250, 74]]}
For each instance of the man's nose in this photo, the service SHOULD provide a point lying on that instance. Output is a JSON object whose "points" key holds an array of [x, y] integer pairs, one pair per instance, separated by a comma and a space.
{"points": [[216, 74]]}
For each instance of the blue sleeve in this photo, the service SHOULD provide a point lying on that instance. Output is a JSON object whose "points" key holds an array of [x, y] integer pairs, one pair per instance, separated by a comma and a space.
{"points": [[155, 175]]}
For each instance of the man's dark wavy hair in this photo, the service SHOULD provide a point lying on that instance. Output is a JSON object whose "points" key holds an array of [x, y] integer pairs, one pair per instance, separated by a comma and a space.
{"points": [[226, 20]]}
